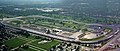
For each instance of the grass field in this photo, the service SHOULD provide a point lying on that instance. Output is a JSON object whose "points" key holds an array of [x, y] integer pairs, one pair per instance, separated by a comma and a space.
{"points": [[15, 42], [45, 46], [29, 49], [31, 42], [46, 22]]}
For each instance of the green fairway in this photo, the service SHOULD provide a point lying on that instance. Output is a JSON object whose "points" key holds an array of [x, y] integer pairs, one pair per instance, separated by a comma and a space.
{"points": [[15, 42], [46, 45]]}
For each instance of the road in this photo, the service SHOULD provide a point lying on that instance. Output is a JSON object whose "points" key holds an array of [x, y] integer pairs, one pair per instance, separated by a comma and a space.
{"points": [[113, 40]]}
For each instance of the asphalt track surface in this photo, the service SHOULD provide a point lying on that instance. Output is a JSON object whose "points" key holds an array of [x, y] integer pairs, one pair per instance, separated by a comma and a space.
{"points": [[111, 35]]}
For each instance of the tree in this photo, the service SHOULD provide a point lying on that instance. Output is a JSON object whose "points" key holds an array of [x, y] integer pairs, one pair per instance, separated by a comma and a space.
{"points": [[1, 16], [26, 46], [48, 31], [37, 37], [84, 30]]}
